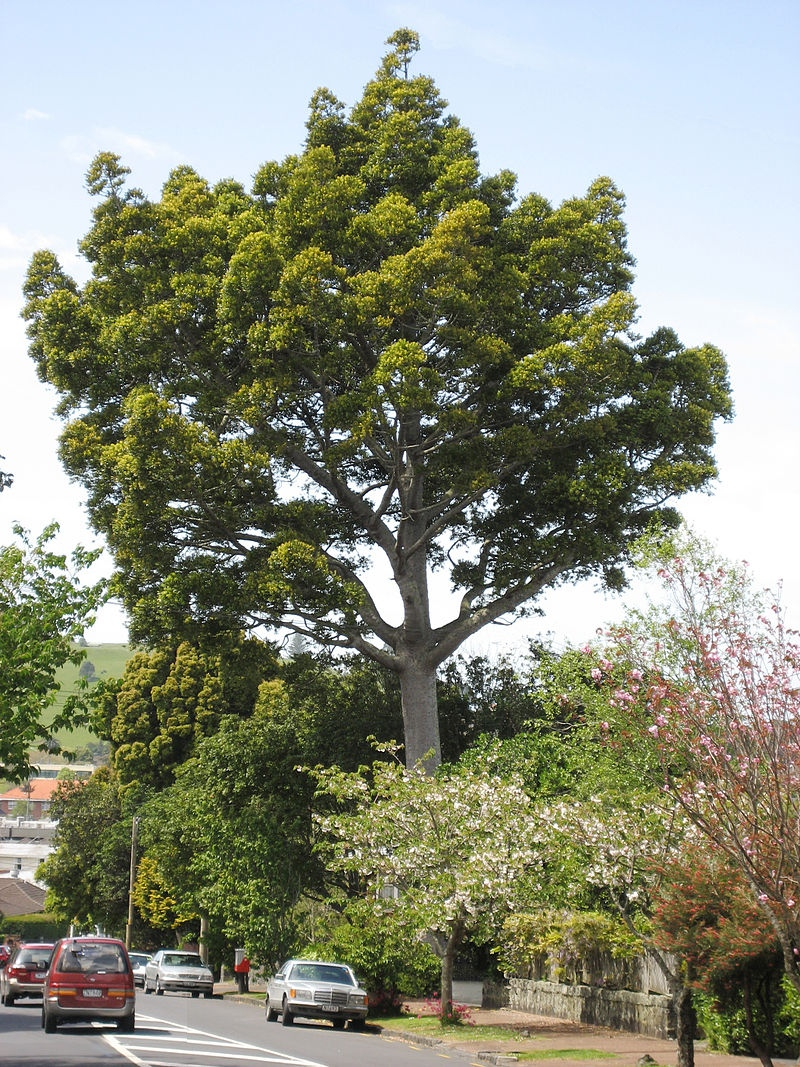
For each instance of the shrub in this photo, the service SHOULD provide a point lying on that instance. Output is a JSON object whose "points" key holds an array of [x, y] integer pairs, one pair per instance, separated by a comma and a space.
{"points": [[390, 961], [39, 927], [572, 945]]}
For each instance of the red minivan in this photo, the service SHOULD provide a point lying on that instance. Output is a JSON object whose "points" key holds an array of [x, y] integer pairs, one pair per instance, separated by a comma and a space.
{"points": [[90, 978]]}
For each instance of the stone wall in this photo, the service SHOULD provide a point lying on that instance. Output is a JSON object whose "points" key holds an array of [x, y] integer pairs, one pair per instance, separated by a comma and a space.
{"points": [[640, 1013]]}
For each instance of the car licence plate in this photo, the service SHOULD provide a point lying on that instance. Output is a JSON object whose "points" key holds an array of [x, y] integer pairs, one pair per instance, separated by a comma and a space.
{"points": [[93, 992], [329, 1007]]}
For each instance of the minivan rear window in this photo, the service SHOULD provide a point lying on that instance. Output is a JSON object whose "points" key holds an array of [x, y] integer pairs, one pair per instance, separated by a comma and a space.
{"points": [[33, 958], [93, 958]]}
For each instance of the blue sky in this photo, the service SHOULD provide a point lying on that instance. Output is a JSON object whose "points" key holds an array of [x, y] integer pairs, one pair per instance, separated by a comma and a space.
{"points": [[691, 106]]}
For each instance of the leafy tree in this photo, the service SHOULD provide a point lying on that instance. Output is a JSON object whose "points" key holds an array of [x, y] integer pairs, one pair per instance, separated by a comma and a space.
{"points": [[378, 356], [5, 478], [387, 957], [154, 899], [454, 848], [170, 698], [706, 914], [44, 609], [232, 838], [87, 875], [605, 827]]}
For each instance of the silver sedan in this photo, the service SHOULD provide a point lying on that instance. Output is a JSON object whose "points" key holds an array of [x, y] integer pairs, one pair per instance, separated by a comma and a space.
{"points": [[314, 989], [175, 971]]}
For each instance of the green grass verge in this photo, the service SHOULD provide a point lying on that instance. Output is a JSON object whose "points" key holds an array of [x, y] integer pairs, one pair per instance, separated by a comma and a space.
{"points": [[429, 1026], [564, 1054]]}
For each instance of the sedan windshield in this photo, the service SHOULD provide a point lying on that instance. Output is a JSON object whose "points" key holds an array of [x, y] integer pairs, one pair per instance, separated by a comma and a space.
{"points": [[182, 959], [321, 972]]}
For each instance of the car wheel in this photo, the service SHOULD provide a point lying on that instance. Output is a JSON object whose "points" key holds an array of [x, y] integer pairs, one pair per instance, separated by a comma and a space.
{"points": [[272, 1014], [208, 996], [9, 1000], [286, 1016], [127, 1025], [49, 1022], [146, 988], [338, 1024], [358, 1024], [159, 990], [195, 995]]}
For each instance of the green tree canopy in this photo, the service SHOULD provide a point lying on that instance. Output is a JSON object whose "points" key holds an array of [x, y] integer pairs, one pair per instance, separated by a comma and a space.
{"points": [[379, 362], [44, 610], [87, 873], [170, 698]]}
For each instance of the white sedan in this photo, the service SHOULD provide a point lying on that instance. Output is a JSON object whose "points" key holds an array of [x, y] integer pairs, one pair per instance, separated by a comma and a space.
{"points": [[176, 971], [139, 961], [314, 989]]}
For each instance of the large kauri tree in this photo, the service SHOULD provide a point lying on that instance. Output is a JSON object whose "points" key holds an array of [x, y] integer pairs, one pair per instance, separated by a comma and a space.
{"points": [[291, 407]]}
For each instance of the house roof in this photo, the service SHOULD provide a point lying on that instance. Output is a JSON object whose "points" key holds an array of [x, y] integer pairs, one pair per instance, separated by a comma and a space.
{"points": [[18, 897], [40, 789]]}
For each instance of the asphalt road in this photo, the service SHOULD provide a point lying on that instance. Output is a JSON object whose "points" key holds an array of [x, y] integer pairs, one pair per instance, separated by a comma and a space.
{"points": [[178, 1031]]}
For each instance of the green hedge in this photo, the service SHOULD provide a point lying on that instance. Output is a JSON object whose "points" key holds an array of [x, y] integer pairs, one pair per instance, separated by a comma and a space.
{"points": [[39, 927]]}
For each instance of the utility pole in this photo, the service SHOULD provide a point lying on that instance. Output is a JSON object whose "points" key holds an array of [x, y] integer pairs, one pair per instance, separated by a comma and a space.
{"points": [[132, 879]]}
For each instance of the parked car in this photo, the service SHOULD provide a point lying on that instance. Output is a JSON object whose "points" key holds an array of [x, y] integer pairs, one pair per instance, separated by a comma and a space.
{"points": [[5, 955], [139, 961], [176, 971], [89, 979], [23, 975], [314, 989]]}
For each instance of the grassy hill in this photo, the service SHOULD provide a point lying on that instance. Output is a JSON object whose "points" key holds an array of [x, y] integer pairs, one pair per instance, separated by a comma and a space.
{"points": [[108, 661]]}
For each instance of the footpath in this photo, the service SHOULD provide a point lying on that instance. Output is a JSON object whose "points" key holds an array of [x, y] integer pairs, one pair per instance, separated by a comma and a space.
{"points": [[570, 1044]]}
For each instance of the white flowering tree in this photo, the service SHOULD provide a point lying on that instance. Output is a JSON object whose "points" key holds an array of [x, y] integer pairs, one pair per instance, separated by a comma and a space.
{"points": [[618, 847], [449, 853]]}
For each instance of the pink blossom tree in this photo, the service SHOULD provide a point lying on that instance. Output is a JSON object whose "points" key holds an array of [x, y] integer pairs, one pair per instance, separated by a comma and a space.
{"points": [[713, 681]]}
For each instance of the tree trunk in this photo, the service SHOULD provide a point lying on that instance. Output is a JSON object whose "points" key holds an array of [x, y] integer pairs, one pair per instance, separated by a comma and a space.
{"points": [[448, 962], [752, 1038], [420, 716], [684, 1023]]}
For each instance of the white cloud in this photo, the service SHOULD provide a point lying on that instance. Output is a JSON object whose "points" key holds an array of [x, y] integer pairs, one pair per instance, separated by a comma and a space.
{"points": [[83, 148], [17, 248], [447, 33], [32, 114]]}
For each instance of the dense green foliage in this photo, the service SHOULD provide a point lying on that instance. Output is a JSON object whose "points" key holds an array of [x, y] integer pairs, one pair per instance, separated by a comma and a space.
{"points": [[168, 699], [87, 874], [386, 955], [40, 927], [378, 352]]}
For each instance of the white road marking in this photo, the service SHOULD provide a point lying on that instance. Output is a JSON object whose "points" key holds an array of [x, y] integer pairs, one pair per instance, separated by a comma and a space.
{"points": [[196, 1043]]}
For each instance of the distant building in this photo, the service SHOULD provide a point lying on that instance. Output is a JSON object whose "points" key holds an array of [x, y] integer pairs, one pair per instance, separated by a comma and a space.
{"points": [[23, 846], [35, 796], [26, 829]]}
